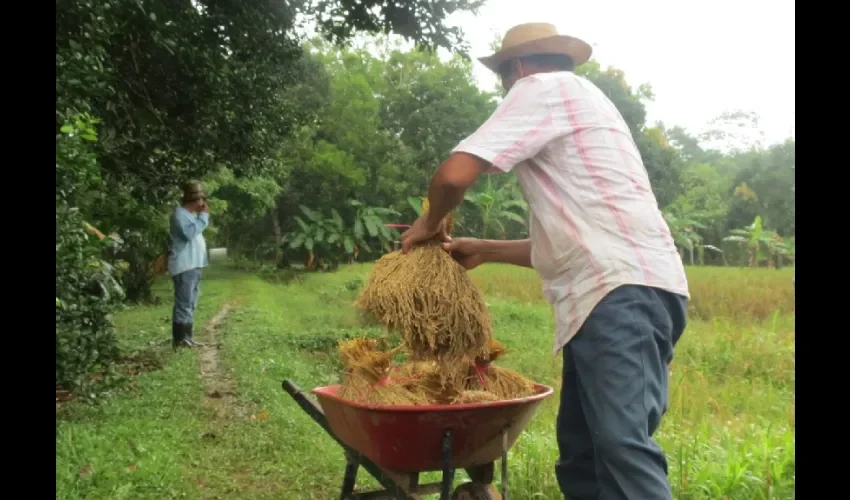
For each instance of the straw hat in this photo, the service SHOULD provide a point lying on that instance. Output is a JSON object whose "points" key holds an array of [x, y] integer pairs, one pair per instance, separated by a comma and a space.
{"points": [[537, 38]]}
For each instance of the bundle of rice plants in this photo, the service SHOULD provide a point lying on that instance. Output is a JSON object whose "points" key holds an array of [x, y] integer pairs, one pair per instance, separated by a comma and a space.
{"points": [[431, 301]]}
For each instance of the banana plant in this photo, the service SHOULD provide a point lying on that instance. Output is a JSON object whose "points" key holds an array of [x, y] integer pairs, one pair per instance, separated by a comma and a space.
{"points": [[685, 236], [416, 204], [371, 221], [316, 237], [496, 205], [760, 244], [328, 240]]}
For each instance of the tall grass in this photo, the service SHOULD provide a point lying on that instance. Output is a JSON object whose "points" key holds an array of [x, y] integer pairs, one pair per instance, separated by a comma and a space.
{"points": [[733, 294]]}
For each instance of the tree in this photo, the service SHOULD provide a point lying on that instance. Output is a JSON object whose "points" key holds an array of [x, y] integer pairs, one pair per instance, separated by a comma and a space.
{"points": [[87, 293], [422, 21], [431, 105], [771, 174], [736, 131], [392, 117], [705, 197]]}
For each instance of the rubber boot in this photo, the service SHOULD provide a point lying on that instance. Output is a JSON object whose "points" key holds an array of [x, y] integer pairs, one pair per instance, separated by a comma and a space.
{"points": [[178, 336], [189, 339]]}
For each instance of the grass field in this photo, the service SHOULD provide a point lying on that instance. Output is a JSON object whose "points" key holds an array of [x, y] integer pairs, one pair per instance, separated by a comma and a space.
{"points": [[729, 432]]}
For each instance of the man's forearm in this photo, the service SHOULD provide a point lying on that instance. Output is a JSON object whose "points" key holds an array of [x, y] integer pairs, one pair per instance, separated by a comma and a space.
{"points": [[194, 225], [442, 198], [449, 184], [516, 252]]}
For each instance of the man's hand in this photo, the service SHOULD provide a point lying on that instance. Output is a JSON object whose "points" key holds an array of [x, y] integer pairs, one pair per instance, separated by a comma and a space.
{"points": [[468, 252], [421, 231], [205, 207]]}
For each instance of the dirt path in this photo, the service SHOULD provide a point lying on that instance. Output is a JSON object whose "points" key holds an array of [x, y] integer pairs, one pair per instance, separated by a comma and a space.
{"points": [[219, 387]]}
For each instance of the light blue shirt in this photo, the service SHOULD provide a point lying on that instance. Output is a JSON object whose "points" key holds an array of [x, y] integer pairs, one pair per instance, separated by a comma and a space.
{"points": [[188, 248]]}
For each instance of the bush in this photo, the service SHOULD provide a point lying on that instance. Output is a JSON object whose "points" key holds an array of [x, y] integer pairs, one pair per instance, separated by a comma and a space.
{"points": [[86, 296], [135, 257], [86, 290]]}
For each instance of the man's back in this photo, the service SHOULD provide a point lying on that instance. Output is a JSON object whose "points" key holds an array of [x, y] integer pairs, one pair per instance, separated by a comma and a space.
{"points": [[595, 220], [595, 223]]}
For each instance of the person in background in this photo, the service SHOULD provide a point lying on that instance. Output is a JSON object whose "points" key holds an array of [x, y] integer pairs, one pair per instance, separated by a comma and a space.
{"points": [[187, 255], [601, 246]]}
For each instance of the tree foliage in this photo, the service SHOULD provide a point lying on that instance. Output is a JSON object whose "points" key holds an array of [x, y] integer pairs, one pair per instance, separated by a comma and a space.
{"points": [[87, 292], [420, 21]]}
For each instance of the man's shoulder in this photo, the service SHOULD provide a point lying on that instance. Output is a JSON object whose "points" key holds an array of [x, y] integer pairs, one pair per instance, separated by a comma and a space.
{"points": [[542, 86], [180, 213], [557, 78], [557, 84]]}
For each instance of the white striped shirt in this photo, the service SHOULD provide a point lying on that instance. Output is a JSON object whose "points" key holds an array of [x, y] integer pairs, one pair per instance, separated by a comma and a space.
{"points": [[594, 221]]}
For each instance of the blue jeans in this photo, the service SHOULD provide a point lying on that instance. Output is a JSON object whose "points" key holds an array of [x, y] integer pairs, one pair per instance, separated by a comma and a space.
{"points": [[187, 288], [614, 393]]}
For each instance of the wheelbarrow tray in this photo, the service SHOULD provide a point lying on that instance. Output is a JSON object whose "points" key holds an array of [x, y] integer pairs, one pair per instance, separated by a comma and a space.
{"points": [[407, 439]]}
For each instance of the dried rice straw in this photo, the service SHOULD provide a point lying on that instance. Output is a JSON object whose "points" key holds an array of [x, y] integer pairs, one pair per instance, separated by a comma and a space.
{"points": [[368, 376], [501, 382], [431, 301]]}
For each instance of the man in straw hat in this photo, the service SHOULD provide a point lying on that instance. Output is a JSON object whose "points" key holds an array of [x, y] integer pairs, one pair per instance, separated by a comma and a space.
{"points": [[601, 246], [187, 255]]}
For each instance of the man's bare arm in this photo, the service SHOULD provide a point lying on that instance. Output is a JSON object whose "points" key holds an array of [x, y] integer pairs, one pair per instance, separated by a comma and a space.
{"points": [[450, 182], [516, 252]]}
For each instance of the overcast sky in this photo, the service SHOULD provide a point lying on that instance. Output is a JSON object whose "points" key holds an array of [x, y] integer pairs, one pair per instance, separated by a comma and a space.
{"points": [[701, 58]]}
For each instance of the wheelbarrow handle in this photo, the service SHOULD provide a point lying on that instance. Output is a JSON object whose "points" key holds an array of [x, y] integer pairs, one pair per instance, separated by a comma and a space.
{"points": [[306, 404], [290, 388], [315, 412]]}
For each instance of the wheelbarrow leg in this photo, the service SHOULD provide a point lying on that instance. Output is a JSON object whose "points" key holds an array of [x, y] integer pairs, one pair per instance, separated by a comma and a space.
{"points": [[448, 469], [505, 465], [350, 478]]}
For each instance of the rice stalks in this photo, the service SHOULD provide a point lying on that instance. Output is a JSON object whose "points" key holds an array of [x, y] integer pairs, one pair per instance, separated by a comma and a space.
{"points": [[438, 383], [468, 397], [501, 382], [445, 328], [372, 379], [368, 377], [431, 301]]}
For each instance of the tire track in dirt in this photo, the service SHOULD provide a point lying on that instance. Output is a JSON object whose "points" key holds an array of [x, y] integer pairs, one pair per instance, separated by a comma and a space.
{"points": [[219, 388]]}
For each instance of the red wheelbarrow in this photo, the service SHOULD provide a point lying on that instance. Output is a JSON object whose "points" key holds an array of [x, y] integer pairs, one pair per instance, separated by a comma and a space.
{"points": [[397, 443]]}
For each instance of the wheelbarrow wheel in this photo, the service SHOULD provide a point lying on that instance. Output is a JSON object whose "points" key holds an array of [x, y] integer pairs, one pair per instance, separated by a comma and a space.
{"points": [[476, 491]]}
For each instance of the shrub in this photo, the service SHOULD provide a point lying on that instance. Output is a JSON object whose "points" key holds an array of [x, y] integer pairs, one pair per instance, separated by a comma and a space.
{"points": [[86, 290], [86, 296], [135, 258]]}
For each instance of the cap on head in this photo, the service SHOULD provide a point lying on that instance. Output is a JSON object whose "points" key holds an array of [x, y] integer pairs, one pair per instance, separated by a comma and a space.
{"points": [[192, 191], [537, 38]]}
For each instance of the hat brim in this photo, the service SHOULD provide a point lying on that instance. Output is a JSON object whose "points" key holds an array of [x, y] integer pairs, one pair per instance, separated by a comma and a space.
{"points": [[195, 196], [577, 49]]}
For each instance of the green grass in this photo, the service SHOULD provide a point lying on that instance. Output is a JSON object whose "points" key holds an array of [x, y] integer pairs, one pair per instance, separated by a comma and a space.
{"points": [[729, 431]]}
